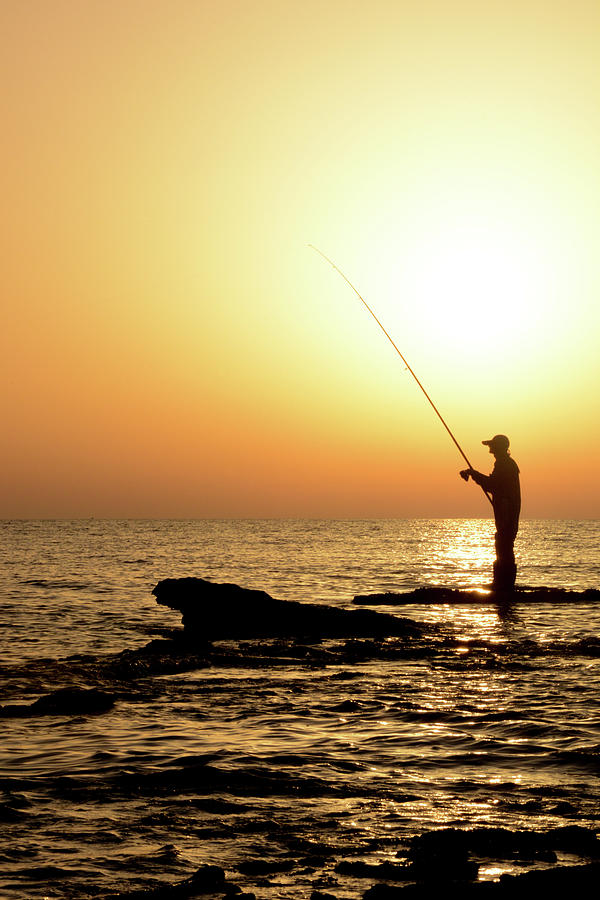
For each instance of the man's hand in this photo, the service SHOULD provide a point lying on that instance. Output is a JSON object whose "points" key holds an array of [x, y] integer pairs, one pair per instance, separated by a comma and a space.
{"points": [[466, 473]]}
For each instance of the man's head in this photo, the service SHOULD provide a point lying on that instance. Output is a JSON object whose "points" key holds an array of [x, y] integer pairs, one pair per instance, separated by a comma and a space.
{"points": [[498, 445]]}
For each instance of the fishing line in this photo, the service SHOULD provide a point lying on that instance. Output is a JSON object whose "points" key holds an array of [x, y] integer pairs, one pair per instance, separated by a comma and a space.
{"points": [[402, 357]]}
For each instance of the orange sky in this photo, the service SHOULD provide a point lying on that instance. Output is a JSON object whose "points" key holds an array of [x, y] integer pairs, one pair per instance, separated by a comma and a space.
{"points": [[170, 345]]}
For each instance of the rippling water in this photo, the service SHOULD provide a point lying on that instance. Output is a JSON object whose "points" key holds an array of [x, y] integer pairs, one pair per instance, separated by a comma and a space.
{"points": [[490, 718]]}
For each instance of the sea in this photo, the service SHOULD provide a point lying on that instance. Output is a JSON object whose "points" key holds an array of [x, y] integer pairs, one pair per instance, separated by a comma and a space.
{"points": [[278, 772]]}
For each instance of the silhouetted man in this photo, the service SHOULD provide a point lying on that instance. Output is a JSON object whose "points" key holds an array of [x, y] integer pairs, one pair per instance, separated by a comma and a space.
{"points": [[503, 485]]}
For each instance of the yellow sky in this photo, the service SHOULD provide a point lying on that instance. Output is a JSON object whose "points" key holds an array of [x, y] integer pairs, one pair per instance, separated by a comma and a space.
{"points": [[171, 346]]}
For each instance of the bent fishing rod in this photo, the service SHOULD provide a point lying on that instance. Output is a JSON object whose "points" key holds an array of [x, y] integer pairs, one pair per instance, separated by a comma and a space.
{"points": [[402, 357]]}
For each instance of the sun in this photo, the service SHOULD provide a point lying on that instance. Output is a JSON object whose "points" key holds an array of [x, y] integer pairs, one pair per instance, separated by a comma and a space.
{"points": [[479, 286]]}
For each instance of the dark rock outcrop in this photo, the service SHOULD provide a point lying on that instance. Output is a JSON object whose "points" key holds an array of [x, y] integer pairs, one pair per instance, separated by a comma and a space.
{"points": [[386, 871], [432, 595], [445, 862], [439, 860], [577, 881], [69, 701], [205, 880], [226, 611], [504, 843]]}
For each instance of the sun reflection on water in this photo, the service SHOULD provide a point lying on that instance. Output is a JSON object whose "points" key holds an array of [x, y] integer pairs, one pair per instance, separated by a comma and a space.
{"points": [[470, 623], [461, 557], [461, 554], [468, 547]]}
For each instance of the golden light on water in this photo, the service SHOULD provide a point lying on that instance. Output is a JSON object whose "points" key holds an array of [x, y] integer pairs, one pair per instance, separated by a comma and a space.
{"points": [[469, 545]]}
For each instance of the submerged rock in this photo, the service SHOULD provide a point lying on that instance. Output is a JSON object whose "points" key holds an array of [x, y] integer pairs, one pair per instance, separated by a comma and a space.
{"points": [[205, 880], [385, 871], [226, 611], [432, 595], [578, 881], [504, 843], [69, 701], [440, 860]]}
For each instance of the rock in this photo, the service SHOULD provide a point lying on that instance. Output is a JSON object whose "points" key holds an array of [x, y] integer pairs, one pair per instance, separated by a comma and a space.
{"points": [[226, 611], [64, 702], [574, 839], [503, 843], [205, 880], [385, 871], [580, 881], [443, 857], [385, 892], [577, 881], [447, 866], [444, 870], [432, 595]]}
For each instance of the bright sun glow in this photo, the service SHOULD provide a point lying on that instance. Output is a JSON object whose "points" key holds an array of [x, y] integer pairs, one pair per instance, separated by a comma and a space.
{"points": [[479, 286], [171, 347]]}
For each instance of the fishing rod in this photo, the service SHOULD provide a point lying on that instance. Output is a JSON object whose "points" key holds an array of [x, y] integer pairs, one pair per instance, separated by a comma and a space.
{"points": [[402, 357]]}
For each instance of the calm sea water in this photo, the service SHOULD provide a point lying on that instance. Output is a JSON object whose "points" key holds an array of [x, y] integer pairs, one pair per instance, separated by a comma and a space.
{"points": [[493, 721]]}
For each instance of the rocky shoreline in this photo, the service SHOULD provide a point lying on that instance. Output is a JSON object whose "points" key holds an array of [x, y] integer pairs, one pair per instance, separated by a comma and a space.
{"points": [[447, 859], [225, 627]]}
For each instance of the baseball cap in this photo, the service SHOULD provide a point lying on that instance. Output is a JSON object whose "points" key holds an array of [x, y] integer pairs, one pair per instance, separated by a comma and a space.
{"points": [[498, 442]]}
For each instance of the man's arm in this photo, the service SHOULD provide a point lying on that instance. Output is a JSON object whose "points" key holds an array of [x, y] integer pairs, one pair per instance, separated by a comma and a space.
{"points": [[484, 481]]}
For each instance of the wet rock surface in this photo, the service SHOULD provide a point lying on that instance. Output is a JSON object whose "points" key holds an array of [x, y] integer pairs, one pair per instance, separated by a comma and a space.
{"points": [[212, 611], [68, 701], [581, 881], [503, 843], [207, 880], [448, 856], [447, 859], [433, 595]]}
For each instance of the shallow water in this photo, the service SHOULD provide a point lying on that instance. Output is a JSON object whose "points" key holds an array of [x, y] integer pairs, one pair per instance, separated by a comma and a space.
{"points": [[489, 718]]}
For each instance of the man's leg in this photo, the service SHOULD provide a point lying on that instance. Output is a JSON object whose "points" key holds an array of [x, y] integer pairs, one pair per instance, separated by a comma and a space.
{"points": [[505, 569]]}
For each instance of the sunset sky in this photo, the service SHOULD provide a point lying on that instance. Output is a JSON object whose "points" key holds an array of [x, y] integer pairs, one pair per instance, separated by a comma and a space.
{"points": [[171, 346]]}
